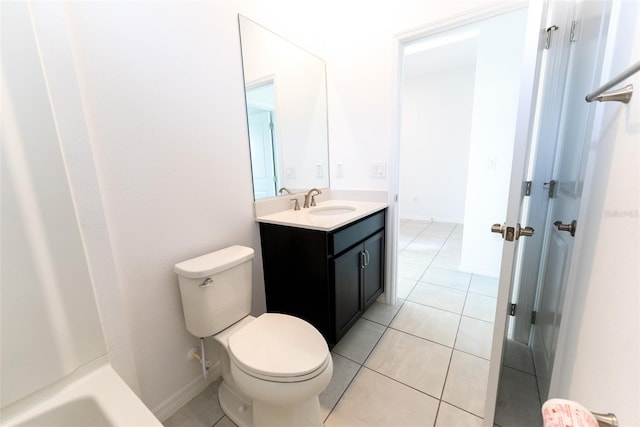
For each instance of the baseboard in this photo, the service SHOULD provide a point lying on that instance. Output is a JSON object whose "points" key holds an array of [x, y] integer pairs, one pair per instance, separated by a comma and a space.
{"points": [[177, 400]]}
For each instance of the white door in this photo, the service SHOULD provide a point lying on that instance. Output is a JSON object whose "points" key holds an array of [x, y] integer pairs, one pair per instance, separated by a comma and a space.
{"points": [[585, 57], [263, 165], [541, 165], [534, 45]]}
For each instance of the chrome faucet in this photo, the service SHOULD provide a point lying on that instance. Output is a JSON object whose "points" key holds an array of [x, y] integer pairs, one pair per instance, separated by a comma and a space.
{"points": [[311, 197]]}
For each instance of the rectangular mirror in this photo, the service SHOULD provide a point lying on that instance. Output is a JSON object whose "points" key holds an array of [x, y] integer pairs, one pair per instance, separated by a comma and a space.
{"points": [[286, 96]]}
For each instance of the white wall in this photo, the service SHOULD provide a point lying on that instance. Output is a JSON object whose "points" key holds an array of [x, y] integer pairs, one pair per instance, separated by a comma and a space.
{"points": [[161, 86], [601, 326], [436, 124]]}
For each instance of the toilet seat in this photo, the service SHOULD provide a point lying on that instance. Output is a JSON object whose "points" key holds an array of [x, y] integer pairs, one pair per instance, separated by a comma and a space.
{"points": [[279, 348]]}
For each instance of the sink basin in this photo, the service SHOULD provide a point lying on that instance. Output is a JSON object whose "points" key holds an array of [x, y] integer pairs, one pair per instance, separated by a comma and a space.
{"points": [[332, 210]]}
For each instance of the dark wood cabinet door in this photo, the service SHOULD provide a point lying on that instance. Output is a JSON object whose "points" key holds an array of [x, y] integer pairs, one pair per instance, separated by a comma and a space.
{"points": [[373, 279], [348, 297]]}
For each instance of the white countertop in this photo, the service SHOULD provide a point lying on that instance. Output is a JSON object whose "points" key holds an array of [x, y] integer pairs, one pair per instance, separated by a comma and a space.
{"points": [[305, 219]]}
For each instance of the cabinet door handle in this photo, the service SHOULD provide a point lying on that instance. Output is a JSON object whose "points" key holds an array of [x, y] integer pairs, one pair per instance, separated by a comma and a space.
{"points": [[363, 261], [366, 257]]}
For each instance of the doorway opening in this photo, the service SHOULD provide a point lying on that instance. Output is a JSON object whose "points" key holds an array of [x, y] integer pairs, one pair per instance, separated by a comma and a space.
{"points": [[261, 110], [459, 99]]}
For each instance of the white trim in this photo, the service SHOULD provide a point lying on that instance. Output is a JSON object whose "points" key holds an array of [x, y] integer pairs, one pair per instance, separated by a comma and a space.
{"points": [[459, 20], [177, 400]]}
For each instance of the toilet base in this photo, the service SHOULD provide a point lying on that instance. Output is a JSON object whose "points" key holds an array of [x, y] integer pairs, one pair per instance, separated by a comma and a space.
{"points": [[260, 414], [236, 408], [306, 413]]}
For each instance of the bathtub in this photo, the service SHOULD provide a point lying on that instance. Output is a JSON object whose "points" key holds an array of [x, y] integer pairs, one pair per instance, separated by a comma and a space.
{"points": [[93, 395]]}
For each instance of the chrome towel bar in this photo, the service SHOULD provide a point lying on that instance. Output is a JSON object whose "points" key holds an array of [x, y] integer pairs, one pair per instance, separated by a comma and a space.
{"points": [[621, 95]]}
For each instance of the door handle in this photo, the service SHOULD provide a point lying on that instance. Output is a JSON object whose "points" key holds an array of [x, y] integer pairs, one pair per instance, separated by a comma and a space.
{"points": [[512, 233], [524, 231], [571, 228]]}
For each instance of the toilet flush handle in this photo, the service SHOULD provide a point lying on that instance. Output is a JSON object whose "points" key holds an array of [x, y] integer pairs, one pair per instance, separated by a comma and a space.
{"points": [[207, 282]]}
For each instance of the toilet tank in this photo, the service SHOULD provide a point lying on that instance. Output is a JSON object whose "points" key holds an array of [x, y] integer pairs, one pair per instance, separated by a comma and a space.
{"points": [[215, 289]]}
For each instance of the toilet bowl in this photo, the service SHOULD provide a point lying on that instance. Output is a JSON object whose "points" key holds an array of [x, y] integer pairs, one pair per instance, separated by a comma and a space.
{"points": [[280, 364], [274, 366]]}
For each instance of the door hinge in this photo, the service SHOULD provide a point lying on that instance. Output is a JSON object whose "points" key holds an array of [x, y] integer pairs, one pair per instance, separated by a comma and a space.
{"points": [[547, 44], [512, 310], [533, 317], [551, 187], [572, 32], [527, 188]]}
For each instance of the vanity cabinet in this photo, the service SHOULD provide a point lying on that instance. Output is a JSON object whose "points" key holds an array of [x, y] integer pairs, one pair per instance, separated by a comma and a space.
{"points": [[328, 278]]}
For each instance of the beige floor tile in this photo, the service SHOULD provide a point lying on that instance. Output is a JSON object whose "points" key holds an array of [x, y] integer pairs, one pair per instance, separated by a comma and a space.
{"points": [[430, 242], [374, 400], [201, 411], [446, 261], [475, 337], [438, 297], [435, 232], [484, 285], [451, 251], [382, 313], [225, 422], [408, 270], [343, 372], [428, 249], [451, 279], [450, 416], [480, 307], [518, 356], [466, 384], [360, 340], [415, 257], [438, 225], [427, 322], [410, 360], [518, 399], [404, 287]]}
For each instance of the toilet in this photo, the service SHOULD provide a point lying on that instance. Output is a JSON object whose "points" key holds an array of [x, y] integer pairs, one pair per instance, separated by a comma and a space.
{"points": [[274, 366]]}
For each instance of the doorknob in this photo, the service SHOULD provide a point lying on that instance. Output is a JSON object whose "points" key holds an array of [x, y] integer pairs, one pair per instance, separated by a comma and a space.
{"points": [[507, 232], [524, 231], [571, 228], [512, 233]]}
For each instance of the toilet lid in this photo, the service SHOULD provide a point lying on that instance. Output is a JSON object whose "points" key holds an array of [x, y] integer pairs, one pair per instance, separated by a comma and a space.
{"points": [[278, 345]]}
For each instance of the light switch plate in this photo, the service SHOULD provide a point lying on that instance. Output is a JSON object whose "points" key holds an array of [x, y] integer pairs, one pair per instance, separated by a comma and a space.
{"points": [[378, 169]]}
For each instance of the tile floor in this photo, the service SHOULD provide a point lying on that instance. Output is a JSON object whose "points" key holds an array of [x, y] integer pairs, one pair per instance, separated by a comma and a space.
{"points": [[422, 362]]}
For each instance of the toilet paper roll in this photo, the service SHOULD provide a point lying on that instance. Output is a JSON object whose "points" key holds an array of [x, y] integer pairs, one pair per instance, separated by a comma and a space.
{"points": [[566, 413]]}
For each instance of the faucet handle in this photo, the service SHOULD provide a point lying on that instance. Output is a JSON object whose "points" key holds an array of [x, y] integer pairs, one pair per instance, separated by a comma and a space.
{"points": [[296, 206], [313, 200]]}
